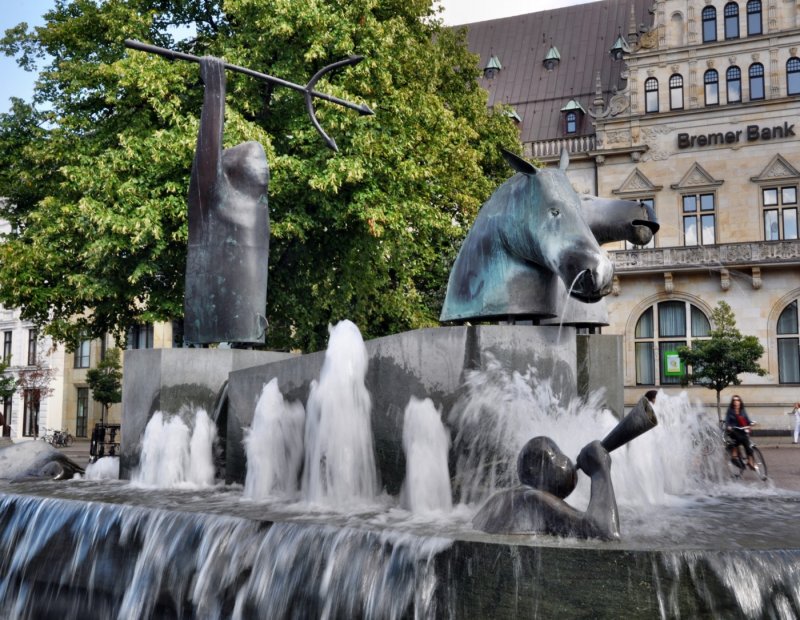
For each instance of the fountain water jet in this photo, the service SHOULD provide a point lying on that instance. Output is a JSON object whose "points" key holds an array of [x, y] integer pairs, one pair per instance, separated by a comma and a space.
{"points": [[173, 455], [426, 443], [340, 460], [274, 446]]}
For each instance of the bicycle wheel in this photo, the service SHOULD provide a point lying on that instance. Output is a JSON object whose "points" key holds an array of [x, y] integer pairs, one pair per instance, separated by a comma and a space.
{"points": [[760, 464]]}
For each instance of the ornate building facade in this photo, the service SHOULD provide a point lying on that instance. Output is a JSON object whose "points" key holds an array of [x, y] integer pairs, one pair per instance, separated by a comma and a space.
{"points": [[694, 109]]}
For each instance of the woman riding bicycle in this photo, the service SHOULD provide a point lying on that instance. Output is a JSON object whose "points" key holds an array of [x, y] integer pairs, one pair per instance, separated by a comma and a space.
{"points": [[737, 423]]}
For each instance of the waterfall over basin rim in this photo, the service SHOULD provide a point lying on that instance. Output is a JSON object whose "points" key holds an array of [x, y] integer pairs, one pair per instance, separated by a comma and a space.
{"points": [[194, 555]]}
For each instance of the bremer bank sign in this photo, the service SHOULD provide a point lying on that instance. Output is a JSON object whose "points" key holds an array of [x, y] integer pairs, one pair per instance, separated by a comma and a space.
{"points": [[751, 133]]}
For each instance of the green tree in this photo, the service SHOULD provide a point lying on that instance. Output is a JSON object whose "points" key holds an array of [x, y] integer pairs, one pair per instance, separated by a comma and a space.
{"points": [[105, 381], [97, 177], [718, 361]]}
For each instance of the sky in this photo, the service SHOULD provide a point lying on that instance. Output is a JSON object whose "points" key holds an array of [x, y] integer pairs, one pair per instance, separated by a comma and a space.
{"points": [[14, 82]]}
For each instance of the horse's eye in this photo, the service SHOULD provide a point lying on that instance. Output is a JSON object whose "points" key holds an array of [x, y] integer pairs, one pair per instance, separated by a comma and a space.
{"points": [[554, 212]]}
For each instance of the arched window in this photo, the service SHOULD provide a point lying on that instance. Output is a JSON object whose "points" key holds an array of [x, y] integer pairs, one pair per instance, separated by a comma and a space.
{"points": [[733, 78], [709, 24], [793, 76], [711, 81], [731, 20], [660, 330], [788, 345], [756, 81], [651, 95], [753, 17], [676, 92]]}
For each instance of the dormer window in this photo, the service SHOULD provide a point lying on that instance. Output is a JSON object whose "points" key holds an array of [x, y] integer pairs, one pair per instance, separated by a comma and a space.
{"points": [[492, 68], [573, 115], [552, 58]]}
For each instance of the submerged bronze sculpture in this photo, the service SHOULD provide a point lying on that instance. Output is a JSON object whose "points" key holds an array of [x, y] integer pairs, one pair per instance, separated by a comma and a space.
{"points": [[533, 241], [228, 253], [547, 476]]}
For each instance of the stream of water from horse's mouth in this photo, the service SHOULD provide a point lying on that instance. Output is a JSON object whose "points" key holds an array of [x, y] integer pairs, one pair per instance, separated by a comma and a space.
{"points": [[566, 304]]}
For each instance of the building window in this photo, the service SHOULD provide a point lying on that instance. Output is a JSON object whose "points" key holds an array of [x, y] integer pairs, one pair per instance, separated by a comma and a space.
{"points": [[756, 81], [731, 20], [788, 345], [650, 202], [655, 339], [651, 95], [30, 422], [81, 358], [33, 337], [140, 336], [699, 219], [676, 92], [7, 347], [793, 76], [780, 212], [754, 17], [571, 120], [733, 78], [711, 80], [82, 413], [709, 24]]}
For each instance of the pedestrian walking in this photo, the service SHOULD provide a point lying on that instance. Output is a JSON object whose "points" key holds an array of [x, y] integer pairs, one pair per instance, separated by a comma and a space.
{"points": [[796, 413]]}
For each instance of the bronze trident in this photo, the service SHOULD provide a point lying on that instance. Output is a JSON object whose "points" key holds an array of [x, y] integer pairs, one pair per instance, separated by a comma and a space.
{"points": [[307, 90]]}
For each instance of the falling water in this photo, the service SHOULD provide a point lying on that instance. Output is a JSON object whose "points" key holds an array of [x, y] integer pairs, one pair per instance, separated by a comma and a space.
{"points": [[340, 456], [567, 302], [501, 410], [274, 446], [146, 563], [106, 468], [173, 456], [426, 443]]}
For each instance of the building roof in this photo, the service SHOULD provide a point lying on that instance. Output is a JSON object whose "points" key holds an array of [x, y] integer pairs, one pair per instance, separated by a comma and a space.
{"points": [[583, 34]]}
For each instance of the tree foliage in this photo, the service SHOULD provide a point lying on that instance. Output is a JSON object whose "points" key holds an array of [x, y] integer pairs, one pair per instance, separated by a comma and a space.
{"points": [[96, 168], [8, 382], [105, 380], [718, 361]]}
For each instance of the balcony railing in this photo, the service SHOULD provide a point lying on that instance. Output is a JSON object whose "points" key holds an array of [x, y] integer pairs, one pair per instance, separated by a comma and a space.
{"points": [[750, 254], [553, 148]]}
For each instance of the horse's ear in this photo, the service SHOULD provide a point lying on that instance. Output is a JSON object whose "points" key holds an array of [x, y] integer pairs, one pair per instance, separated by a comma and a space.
{"points": [[564, 161], [519, 164]]}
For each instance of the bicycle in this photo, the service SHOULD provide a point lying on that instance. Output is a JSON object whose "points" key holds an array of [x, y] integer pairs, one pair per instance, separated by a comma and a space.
{"points": [[57, 439], [740, 462]]}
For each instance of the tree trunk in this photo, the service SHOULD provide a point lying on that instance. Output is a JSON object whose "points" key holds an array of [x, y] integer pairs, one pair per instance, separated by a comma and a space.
{"points": [[719, 411]]}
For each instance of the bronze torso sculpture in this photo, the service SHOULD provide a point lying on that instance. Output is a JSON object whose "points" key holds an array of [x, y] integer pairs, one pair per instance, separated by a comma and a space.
{"points": [[547, 476], [226, 264], [228, 253]]}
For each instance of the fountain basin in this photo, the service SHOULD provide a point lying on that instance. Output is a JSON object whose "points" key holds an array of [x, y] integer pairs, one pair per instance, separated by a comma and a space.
{"points": [[209, 554]]}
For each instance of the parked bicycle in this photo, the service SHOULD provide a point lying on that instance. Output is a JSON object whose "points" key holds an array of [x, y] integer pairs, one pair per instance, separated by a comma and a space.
{"points": [[56, 438]]}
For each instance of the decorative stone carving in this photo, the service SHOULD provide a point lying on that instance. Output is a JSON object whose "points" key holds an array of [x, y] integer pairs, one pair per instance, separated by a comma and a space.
{"points": [[777, 168], [756, 278], [649, 40], [732, 60], [617, 136], [615, 287], [724, 279], [669, 285]]}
